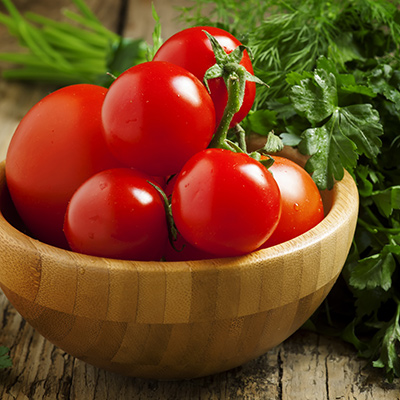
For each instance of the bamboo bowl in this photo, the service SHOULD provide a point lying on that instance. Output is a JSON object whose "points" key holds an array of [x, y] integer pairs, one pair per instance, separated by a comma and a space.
{"points": [[174, 320]]}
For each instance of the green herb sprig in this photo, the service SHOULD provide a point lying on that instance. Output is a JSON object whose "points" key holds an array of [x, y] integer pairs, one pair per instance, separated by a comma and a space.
{"points": [[235, 16], [333, 70], [80, 50]]}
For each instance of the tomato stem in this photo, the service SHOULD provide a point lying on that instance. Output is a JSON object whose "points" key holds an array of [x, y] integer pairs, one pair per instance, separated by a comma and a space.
{"points": [[235, 84], [235, 77], [240, 134], [172, 231]]}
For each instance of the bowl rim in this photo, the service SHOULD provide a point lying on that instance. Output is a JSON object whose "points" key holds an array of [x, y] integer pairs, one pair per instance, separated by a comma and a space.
{"points": [[342, 199]]}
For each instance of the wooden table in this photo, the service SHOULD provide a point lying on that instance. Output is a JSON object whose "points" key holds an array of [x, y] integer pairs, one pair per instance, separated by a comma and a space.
{"points": [[306, 366]]}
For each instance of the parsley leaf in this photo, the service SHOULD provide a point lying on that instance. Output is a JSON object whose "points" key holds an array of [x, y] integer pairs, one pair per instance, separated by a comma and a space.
{"points": [[361, 123], [348, 132], [261, 122], [386, 81], [315, 98], [387, 200], [389, 334], [374, 271], [330, 151]]}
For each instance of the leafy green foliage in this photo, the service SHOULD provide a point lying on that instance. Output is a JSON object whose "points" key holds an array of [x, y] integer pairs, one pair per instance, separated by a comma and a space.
{"points": [[316, 98], [334, 74], [339, 135], [389, 359], [79, 51], [374, 271], [5, 360], [261, 122], [236, 16], [156, 36]]}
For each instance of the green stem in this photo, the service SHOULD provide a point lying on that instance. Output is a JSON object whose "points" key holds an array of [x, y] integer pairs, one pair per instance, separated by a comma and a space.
{"points": [[90, 24], [86, 11], [373, 217], [375, 229], [61, 40], [240, 136], [235, 87], [89, 38], [172, 230]]}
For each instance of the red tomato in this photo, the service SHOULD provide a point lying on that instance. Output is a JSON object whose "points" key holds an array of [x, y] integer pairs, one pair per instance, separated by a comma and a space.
{"points": [[302, 206], [191, 49], [184, 251], [225, 203], [117, 214], [181, 250], [57, 146], [156, 115], [169, 186]]}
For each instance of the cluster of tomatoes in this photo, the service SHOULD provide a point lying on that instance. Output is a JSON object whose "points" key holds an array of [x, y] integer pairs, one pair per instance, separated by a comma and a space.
{"points": [[116, 172]]}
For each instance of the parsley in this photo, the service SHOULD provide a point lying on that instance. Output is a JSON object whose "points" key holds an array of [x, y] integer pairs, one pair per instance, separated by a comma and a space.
{"points": [[339, 134], [5, 360], [334, 74]]}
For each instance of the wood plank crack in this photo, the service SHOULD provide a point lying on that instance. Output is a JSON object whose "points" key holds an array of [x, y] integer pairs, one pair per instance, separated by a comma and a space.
{"points": [[280, 374], [122, 17], [327, 378]]}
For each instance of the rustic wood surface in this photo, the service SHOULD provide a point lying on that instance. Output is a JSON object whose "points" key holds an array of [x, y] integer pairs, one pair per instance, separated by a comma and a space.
{"points": [[306, 366]]}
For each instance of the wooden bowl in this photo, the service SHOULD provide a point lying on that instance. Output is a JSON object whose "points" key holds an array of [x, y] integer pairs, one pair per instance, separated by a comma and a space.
{"points": [[174, 320]]}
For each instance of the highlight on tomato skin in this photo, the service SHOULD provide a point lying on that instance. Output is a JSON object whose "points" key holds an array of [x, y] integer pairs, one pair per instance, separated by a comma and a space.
{"points": [[225, 203], [57, 145], [118, 214], [302, 206], [157, 115], [155, 122], [191, 49]]}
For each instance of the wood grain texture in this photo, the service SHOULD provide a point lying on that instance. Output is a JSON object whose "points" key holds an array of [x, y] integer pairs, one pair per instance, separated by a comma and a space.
{"points": [[305, 366], [173, 320]]}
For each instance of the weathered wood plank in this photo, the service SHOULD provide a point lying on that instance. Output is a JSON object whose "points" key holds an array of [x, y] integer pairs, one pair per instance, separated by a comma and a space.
{"points": [[319, 367], [306, 366]]}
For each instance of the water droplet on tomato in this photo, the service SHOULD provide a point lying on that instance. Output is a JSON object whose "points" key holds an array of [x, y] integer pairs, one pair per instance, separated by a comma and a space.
{"points": [[296, 206]]}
